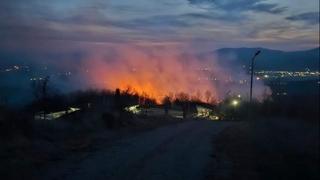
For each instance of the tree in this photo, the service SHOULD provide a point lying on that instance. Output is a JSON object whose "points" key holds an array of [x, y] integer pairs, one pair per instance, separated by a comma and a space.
{"points": [[40, 91], [166, 102], [183, 100], [118, 101]]}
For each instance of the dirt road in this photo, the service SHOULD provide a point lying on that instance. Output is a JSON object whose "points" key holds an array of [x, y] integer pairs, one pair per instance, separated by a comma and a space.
{"points": [[179, 151]]}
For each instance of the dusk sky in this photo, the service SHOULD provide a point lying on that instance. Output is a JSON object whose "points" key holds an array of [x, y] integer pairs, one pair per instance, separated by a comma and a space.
{"points": [[203, 24], [159, 89]]}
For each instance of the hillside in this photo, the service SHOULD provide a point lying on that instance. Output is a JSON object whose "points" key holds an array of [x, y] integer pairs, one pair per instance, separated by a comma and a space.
{"points": [[272, 59]]}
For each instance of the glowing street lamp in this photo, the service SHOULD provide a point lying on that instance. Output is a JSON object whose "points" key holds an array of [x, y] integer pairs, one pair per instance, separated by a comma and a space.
{"points": [[235, 103]]}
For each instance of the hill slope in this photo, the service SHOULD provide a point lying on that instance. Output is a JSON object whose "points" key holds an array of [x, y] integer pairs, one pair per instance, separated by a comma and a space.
{"points": [[272, 59]]}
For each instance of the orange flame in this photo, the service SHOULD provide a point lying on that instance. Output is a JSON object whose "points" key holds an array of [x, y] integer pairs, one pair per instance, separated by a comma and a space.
{"points": [[149, 71]]}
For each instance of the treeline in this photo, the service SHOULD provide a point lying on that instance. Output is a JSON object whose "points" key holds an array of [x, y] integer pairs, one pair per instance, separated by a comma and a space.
{"points": [[108, 105]]}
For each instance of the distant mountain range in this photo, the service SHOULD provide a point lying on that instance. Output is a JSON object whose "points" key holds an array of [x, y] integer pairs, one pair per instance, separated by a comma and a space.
{"points": [[272, 59], [267, 60]]}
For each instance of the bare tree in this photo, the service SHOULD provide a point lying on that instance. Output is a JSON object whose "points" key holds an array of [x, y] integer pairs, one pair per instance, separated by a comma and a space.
{"points": [[183, 99], [166, 102], [40, 91], [118, 101]]}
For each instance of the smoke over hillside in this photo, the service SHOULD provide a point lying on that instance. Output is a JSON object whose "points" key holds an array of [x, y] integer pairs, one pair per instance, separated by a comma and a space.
{"points": [[160, 71], [153, 71]]}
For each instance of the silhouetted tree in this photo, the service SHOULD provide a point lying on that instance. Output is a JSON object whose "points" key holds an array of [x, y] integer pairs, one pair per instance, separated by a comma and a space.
{"points": [[183, 100], [166, 102], [118, 101], [40, 92]]}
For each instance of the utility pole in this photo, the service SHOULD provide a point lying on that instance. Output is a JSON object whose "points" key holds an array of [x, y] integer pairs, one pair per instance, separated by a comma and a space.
{"points": [[44, 90], [252, 70]]}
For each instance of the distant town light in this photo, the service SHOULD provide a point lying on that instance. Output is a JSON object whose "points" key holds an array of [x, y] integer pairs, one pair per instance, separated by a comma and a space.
{"points": [[135, 109], [235, 103], [214, 117]]}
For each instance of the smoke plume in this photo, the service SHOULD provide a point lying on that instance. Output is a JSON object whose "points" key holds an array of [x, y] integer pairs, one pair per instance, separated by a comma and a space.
{"points": [[159, 71]]}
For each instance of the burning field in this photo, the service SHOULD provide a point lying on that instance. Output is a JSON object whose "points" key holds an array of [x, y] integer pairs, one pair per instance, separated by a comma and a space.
{"points": [[156, 72]]}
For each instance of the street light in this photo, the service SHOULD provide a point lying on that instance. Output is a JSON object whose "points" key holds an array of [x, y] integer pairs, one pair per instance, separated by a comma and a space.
{"points": [[252, 70], [235, 103]]}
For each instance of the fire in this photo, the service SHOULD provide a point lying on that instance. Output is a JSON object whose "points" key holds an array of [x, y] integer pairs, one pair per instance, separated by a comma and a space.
{"points": [[160, 71], [151, 72]]}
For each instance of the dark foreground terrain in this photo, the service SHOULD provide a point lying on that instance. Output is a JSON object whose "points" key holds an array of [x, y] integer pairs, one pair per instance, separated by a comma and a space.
{"points": [[179, 151], [195, 149], [267, 149]]}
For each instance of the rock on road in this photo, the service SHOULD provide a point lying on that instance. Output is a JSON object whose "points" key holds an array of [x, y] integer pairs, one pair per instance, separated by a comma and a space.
{"points": [[179, 151]]}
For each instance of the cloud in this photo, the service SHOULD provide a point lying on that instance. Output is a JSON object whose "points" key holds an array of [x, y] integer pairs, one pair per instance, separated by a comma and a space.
{"points": [[221, 16], [269, 8], [242, 5], [309, 17], [161, 22], [211, 22]]}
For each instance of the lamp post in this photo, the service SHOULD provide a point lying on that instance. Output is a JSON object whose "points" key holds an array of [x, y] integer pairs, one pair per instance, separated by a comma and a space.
{"points": [[252, 70]]}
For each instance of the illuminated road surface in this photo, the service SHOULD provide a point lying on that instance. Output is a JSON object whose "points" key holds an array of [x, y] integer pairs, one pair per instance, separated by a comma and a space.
{"points": [[179, 151]]}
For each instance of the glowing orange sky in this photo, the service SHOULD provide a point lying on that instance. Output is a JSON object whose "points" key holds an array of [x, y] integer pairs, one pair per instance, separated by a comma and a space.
{"points": [[158, 71], [150, 71]]}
